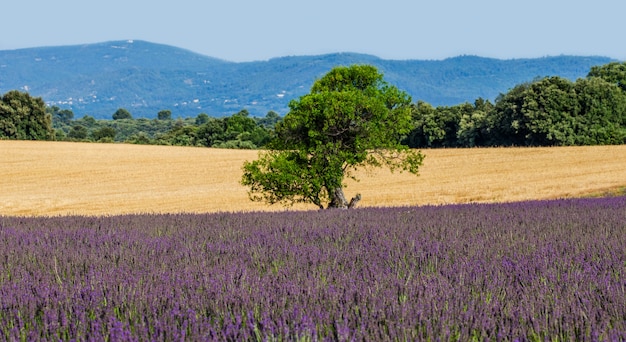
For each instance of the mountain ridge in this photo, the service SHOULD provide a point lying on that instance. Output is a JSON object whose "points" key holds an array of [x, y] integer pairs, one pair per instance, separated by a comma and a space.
{"points": [[144, 77]]}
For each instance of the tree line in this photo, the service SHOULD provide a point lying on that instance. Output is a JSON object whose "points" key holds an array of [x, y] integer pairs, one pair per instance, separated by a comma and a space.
{"points": [[549, 111], [237, 131]]}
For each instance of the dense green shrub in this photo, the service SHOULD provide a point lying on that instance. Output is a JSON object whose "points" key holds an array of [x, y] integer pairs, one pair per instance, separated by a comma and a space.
{"points": [[23, 117]]}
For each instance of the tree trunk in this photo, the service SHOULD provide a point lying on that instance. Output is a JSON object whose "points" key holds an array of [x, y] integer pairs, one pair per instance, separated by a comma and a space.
{"points": [[354, 201], [338, 200]]}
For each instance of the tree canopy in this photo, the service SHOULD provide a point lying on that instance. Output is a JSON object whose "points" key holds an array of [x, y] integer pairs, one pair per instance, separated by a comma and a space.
{"points": [[614, 72], [549, 111], [122, 113], [23, 117], [351, 118], [239, 131]]}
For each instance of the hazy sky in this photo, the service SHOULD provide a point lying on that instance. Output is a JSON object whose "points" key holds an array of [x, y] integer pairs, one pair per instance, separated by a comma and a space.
{"points": [[246, 30]]}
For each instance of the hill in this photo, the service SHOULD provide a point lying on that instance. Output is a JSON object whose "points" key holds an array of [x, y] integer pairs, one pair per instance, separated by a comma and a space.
{"points": [[144, 77], [57, 178]]}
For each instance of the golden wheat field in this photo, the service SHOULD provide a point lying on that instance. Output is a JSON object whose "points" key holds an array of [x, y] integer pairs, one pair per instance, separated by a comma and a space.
{"points": [[61, 178]]}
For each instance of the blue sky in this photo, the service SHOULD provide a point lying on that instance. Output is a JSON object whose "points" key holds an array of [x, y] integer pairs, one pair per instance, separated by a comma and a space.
{"points": [[246, 30]]}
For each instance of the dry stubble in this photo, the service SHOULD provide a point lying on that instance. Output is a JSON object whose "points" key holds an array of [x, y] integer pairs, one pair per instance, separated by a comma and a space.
{"points": [[60, 178]]}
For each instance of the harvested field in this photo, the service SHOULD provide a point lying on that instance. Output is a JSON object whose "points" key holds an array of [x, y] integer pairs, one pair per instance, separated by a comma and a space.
{"points": [[60, 178]]}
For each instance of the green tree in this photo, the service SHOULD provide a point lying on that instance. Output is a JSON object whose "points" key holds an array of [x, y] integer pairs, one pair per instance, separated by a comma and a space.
{"points": [[602, 119], [425, 130], [473, 128], [239, 123], [164, 115], [447, 126], [351, 118], [211, 132], [88, 121], [24, 117], [506, 120], [614, 72], [539, 113], [554, 111], [201, 119], [140, 138], [122, 114], [179, 135], [259, 136], [270, 120], [549, 113], [78, 132], [62, 115], [104, 134]]}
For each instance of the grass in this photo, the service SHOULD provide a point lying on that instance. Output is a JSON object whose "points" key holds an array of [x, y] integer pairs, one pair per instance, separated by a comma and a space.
{"points": [[60, 178]]}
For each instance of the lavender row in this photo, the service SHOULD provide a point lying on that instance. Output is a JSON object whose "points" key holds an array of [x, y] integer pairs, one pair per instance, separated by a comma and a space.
{"points": [[528, 271]]}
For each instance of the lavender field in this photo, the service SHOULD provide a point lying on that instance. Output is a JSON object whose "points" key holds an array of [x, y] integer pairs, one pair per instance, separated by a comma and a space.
{"points": [[545, 270]]}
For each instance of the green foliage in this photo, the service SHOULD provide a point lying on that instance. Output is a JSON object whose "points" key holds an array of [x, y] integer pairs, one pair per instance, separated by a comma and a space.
{"points": [[165, 114], [434, 127], [238, 131], [473, 127], [202, 118], [104, 134], [89, 121], [180, 135], [603, 112], [279, 177], [351, 118], [122, 114], [550, 111], [78, 132], [23, 117], [62, 115], [140, 138], [270, 120], [541, 113], [454, 126], [613, 72], [212, 132], [238, 124]]}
